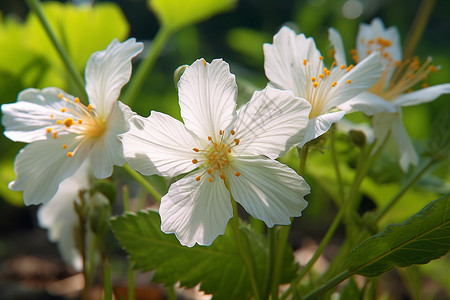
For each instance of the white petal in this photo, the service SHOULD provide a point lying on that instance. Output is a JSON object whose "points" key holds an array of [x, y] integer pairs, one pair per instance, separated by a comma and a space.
{"points": [[319, 125], [271, 122], [108, 71], [369, 104], [107, 150], [362, 76], [407, 153], [283, 61], [28, 118], [336, 41], [207, 95], [423, 95], [59, 218], [268, 190], [377, 30], [196, 211], [160, 144], [42, 165]]}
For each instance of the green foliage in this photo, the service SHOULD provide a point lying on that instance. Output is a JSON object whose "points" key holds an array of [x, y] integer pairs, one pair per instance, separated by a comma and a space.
{"points": [[218, 267], [423, 237], [175, 14]]}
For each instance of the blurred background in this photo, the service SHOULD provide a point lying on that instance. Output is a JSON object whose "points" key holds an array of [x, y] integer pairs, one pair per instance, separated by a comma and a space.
{"points": [[30, 264]]}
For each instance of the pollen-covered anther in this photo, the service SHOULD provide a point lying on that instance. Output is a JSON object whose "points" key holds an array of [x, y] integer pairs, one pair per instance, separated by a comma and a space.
{"points": [[313, 79], [209, 138], [63, 110], [321, 76], [233, 132], [383, 42], [197, 178], [210, 179], [321, 57], [80, 121], [90, 106], [315, 84], [68, 122], [48, 130], [349, 68], [194, 161], [222, 176], [305, 62], [334, 83], [209, 171], [196, 150], [59, 122], [60, 96], [220, 132], [64, 146], [77, 100], [236, 141], [343, 67], [237, 174], [349, 81], [69, 154], [55, 135]]}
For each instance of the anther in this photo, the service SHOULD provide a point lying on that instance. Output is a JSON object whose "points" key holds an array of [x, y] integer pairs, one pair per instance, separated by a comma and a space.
{"points": [[210, 179], [315, 84], [60, 96], [209, 138], [55, 135], [334, 83], [349, 81], [194, 161], [321, 76], [305, 61], [51, 116], [233, 132], [197, 178], [48, 130], [69, 154], [204, 62], [349, 68], [236, 141], [220, 132], [80, 121], [68, 122], [63, 110], [209, 171], [59, 122], [343, 67], [77, 100], [222, 176], [237, 174], [321, 57], [196, 150], [313, 79], [89, 106], [64, 146]]}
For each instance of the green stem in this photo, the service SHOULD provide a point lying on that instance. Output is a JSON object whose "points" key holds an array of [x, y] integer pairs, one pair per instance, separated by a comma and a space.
{"points": [[243, 246], [328, 285], [278, 261], [171, 294], [336, 165], [303, 154], [410, 182], [107, 286], [272, 233], [139, 77], [145, 184], [36, 7], [418, 27]]}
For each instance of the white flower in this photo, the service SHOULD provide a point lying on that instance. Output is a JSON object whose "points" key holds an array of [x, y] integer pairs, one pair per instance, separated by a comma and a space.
{"points": [[394, 89], [58, 216], [63, 132], [221, 146], [293, 63]]}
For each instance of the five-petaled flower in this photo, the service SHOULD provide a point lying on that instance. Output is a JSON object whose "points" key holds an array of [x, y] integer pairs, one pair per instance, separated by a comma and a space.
{"points": [[394, 89], [62, 132], [227, 152], [294, 63]]}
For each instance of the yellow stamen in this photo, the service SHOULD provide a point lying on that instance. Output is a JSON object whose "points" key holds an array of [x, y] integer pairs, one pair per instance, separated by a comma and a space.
{"points": [[68, 122], [59, 122], [69, 154], [349, 81], [55, 135], [48, 130], [63, 110], [64, 146], [194, 161], [315, 84]]}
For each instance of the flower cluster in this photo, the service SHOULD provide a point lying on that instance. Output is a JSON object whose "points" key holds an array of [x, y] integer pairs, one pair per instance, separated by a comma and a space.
{"points": [[227, 154]]}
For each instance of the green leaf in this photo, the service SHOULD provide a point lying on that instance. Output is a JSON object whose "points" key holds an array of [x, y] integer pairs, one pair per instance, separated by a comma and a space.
{"points": [[422, 237], [175, 14], [218, 267]]}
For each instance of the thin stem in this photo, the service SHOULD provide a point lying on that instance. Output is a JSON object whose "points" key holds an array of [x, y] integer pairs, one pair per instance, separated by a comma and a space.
{"points": [[107, 285], [145, 67], [278, 261], [411, 182], [336, 165], [272, 233], [36, 7], [243, 246], [418, 27], [171, 294], [303, 153], [144, 183], [328, 285]]}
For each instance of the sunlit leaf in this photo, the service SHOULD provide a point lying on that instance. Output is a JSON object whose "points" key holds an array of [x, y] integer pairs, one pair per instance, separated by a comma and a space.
{"points": [[175, 14], [422, 237], [218, 267]]}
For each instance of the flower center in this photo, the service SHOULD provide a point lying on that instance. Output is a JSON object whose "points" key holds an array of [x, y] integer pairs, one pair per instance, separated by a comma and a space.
{"points": [[216, 158], [322, 82], [77, 118], [398, 77]]}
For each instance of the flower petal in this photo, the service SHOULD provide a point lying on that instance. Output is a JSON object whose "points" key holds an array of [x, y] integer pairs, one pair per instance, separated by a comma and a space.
{"points": [[336, 41], [196, 211], [283, 61], [107, 151], [267, 189], [27, 119], [59, 218], [407, 153], [160, 144], [42, 165], [369, 104], [108, 71], [423, 95], [207, 93], [271, 123], [357, 80], [319, 125], [377, 30]]}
